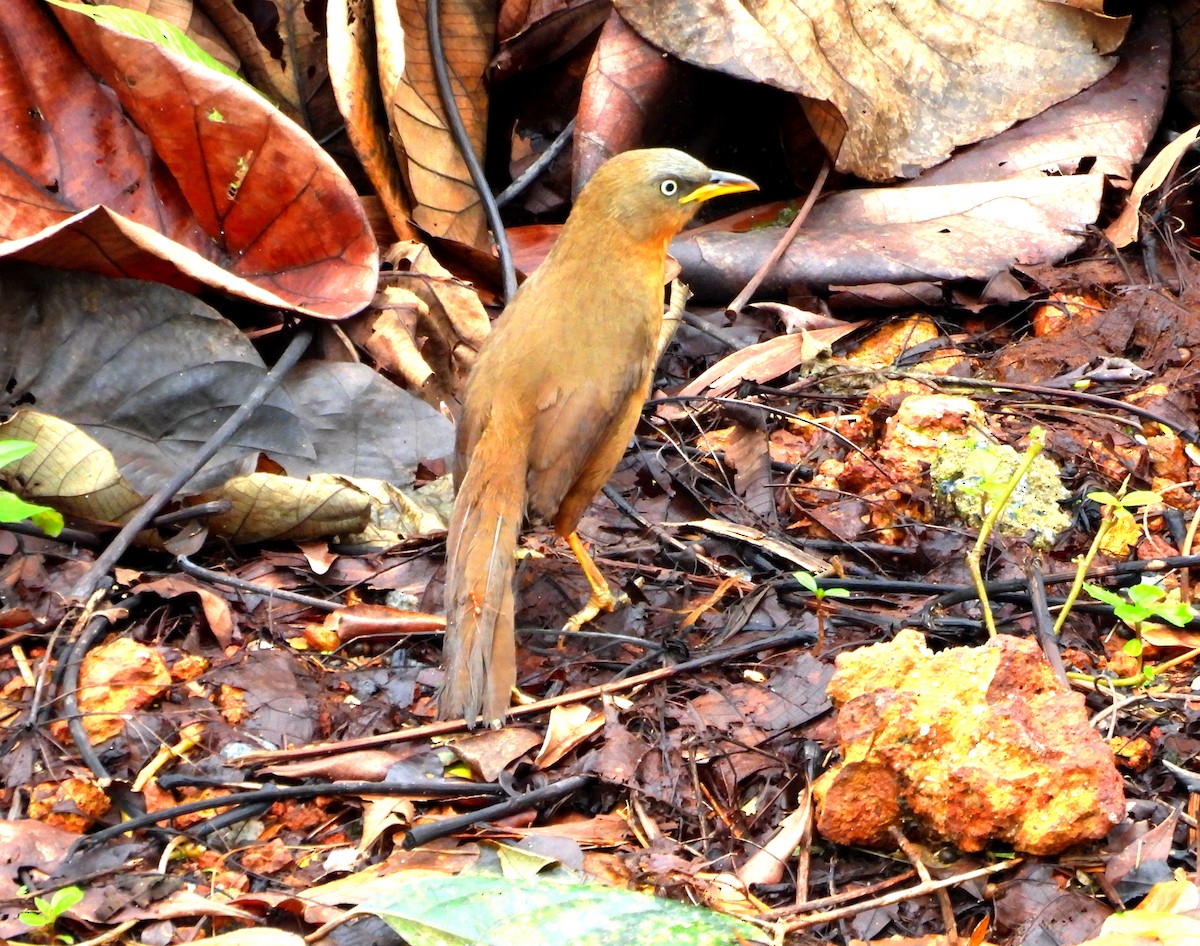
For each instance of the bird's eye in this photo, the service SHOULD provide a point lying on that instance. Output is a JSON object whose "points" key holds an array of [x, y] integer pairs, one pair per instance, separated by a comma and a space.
{"points": [[669, 187]]}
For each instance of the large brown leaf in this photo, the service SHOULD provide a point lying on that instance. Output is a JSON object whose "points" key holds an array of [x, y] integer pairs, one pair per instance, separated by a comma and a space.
{"points": [[354, 73], [1016, 198], [626, 78], [445, 202], [246, 201], [899, 85]]}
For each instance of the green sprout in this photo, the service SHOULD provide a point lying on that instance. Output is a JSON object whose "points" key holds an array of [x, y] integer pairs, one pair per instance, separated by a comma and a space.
{"points": [[46, 913], [809, 582], [1117, 509], [1143, 602], [12, 507]]}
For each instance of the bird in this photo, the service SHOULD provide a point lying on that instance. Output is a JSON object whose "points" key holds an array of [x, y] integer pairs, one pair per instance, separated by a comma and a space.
{"points": [[551, 406]]}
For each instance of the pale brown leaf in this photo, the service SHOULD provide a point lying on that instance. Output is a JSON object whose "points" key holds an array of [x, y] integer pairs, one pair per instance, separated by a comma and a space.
{"points": [[909, 82], [570, 726], [444, 200], [747, 453], [767, 360], [354, 73], [266, 506], [756, 537], [490, 753], [443, 315], [1124, 230], [69, 470]]}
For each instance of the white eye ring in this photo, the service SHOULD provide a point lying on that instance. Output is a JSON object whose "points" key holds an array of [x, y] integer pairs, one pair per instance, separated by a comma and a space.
{"points": [[669, 187]]}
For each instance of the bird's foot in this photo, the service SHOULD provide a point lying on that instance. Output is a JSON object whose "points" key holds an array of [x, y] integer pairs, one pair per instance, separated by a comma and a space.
{"points": [[600, 602]]}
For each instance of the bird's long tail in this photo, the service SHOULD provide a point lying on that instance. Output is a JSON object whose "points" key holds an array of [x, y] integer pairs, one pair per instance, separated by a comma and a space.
{"points": [[480, 651]]}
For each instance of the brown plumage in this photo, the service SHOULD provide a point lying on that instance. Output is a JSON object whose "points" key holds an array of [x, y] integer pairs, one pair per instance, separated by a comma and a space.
{"points": [[553, 402]]}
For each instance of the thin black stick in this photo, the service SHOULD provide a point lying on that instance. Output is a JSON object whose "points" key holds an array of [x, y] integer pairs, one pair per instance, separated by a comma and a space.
{"points": [[458, 132]]}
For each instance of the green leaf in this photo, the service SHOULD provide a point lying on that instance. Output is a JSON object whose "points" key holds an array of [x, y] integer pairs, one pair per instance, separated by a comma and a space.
{"points": [[15, 509], [49, 521], [429, 909], [807, 580], [837, 593], [15, 449], [1103, 594], [1131, 614], [29, 918], [1179, 613], [64, 898], [1145, 594], [144, 26], [1140, 497], [1103, 498], [1133, 647]]}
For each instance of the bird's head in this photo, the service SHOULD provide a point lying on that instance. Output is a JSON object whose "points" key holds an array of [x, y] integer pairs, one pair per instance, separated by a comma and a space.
{"points": [[652, 193]]}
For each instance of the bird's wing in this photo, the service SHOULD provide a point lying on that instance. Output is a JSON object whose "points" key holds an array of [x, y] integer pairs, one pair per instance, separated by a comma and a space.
{"points": [[582, 432]]}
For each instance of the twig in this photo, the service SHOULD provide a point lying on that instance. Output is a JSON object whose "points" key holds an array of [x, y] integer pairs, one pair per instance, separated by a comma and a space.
{"points": [[781, 247], [240, 584], [921, 890], [424, 833], [943, 897], [1043, 623], [275, 793], [531, 173]]}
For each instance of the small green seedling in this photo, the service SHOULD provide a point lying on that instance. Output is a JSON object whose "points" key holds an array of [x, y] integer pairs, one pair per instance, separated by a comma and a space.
{"points": [[12, 507], [1116, 509], [809, 582], [47, 912], [1144, 602], [1121, 507]]}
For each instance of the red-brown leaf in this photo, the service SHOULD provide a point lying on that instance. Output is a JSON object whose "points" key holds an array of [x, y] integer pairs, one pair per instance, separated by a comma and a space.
{"points": [[191, 154]]}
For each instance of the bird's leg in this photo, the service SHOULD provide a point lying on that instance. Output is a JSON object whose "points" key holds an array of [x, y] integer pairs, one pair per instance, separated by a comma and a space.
{"points": [[602, 598]]}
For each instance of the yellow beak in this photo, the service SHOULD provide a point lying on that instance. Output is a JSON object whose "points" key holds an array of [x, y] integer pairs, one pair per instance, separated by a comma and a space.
{"points": [[721, 182]]}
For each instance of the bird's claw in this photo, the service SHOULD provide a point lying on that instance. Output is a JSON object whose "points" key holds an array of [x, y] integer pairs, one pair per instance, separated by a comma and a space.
{"points": [[596, 604]]}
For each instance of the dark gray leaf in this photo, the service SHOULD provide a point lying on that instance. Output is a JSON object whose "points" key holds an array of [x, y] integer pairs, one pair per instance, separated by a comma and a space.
{"points": [[363, 425], [149, 371]]}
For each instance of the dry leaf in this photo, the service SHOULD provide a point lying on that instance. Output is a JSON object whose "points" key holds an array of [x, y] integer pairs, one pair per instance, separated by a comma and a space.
{"points": [[267, 506], [569, 726], [354, 73], [192, 179], [444, 200], [1124, 230], [68, 470], [904, 84]]}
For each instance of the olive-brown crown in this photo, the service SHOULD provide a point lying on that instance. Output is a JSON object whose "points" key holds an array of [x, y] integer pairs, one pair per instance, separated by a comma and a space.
{"points": [[642, 192]]}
